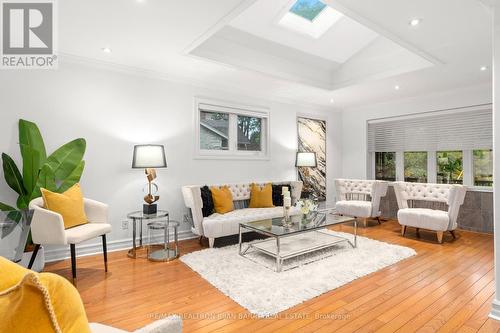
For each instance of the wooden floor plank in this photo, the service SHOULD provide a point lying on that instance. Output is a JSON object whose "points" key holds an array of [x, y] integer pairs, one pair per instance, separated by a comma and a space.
{"points": [[446, 287]]}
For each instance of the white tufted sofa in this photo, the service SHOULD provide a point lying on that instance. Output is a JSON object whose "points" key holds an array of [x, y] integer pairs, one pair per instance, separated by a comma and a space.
{"points": [[408, 194], [360, 198], [220, 225]]}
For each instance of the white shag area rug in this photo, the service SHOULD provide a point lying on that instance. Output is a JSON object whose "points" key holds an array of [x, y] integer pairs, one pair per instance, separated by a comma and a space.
{"points": [[257, 287]]}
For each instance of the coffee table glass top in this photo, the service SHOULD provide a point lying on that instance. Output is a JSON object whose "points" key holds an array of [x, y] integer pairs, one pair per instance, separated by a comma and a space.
{"points": [[274, 227]]}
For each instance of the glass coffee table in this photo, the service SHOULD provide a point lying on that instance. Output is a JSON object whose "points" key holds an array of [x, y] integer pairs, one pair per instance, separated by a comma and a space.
{"points": [[301, 237]]}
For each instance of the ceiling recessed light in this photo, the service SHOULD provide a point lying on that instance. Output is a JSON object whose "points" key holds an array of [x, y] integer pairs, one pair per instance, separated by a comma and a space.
{"points": [[396, 87], [106, 50], [331, 100], [416, 21], [483, 68]]}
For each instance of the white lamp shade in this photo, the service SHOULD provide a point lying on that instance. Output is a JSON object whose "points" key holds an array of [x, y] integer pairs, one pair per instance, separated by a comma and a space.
{"points": [[305, 160], [149, 156]]}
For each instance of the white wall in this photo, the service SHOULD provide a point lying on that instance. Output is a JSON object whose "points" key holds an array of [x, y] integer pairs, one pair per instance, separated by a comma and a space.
{"points": [[114, 110], [495, 309], [354, 121]]}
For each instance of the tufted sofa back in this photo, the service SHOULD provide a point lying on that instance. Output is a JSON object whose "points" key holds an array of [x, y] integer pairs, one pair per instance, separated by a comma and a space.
{"points": [[452, 195], [353, 186], [240, 192], [424, 191]]}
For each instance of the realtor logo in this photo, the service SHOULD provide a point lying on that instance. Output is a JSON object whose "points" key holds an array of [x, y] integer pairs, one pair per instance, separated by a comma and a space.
{"points": [[28, 34]]}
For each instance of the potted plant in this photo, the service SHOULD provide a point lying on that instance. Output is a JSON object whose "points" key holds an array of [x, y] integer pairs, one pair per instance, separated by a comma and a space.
{"points": [[56, 172]]}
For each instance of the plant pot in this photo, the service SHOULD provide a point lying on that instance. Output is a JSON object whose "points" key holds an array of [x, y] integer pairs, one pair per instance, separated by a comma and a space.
{"points": [[39, 263]]}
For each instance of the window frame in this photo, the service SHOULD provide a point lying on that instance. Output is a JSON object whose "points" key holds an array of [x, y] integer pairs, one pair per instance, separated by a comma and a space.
{"points": [[234, 110]]}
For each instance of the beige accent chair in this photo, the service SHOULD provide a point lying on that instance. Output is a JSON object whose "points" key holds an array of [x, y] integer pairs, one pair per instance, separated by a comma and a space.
{"points": [[360, 198], [47, 228], [449, 197]]}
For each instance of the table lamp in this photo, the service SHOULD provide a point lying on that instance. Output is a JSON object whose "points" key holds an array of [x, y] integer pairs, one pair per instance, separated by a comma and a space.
{"points": [[149, 157], [305, 160]]}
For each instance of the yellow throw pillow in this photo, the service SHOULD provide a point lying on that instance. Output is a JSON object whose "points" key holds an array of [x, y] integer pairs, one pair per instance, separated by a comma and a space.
{"points": [[69, 204], [223, 199], [39, 302], [261, 197]]}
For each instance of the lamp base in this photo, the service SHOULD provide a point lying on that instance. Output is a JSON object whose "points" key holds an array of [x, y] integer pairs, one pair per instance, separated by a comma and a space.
{"points": [[149, 209]]}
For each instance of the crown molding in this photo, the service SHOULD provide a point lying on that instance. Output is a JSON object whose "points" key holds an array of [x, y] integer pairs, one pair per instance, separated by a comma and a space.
{"points": [[186, 80]]}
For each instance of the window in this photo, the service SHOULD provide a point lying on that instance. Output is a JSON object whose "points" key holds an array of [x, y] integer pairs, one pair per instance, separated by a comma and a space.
{"points": [[231, 131], [214, 130], [415, 167], [483, 167], [310, 17], [448, 147], [249, 133], [307, 9], [450, 167], [385, 166]]}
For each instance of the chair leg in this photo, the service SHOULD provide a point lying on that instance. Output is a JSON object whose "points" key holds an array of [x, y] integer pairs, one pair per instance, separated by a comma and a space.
{"points": [[211, 242], [105, 253], [403, 230], [73, 262], [33, 256], [452, 232], [440, 237], [378, 220], [418, 232]]}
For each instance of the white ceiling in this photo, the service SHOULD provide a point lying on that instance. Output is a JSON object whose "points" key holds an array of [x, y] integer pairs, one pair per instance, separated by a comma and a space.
{"points": [[156, 37], [338, 44]]}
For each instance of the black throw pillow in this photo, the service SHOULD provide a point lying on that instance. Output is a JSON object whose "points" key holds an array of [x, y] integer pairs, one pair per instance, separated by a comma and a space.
{"points": [[277, 191], [208, 203]]}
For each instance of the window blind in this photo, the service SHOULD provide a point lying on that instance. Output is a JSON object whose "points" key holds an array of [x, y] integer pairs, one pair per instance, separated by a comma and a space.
{"points": [[457, 130]]}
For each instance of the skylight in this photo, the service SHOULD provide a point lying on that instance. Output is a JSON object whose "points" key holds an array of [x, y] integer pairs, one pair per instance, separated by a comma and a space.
{"points": [[310, 17], [307, 9]]}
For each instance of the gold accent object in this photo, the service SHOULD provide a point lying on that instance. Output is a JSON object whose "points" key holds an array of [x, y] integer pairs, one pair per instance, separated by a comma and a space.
{"points": [[150, 198]]}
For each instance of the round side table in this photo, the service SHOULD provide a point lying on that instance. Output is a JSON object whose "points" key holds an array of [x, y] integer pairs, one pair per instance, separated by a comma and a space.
{"points": [[168, 249], [137, 218]]}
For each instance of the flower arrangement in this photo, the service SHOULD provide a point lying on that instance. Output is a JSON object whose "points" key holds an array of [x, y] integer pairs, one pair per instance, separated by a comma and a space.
{"points": [[306, 206]]}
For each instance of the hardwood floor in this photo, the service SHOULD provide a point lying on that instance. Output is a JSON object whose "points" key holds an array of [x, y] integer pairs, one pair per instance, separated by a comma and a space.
{"points": [[445, 288]]}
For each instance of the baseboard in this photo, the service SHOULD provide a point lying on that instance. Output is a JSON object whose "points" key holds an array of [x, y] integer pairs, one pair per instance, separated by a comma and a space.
{"points": [[91, 249], [495, 310]]}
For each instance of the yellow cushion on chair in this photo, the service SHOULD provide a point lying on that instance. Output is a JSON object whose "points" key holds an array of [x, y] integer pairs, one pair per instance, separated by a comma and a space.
{"points": [[223, 199], [261, 198], [69, 204], [38, 302]]}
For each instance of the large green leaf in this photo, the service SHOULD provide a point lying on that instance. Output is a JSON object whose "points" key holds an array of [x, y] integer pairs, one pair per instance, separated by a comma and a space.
{"points": [[31, 166], [12, 175], [65, 159], [5, 207], [32, 151], [29, 135], [73, 178], [46, 179]]}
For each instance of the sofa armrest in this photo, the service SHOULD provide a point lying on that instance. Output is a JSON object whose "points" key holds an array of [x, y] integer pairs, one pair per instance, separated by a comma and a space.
{"points": [[97, 212], [379, 190], [192, 200], [172, 324], [400, 195], [455, 200], [47, 227]]}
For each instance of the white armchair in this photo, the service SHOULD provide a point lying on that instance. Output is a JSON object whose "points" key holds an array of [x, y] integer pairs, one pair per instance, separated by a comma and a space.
{"points": [[171, 324], [439, 220], [360, 198], [47, 228]]}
